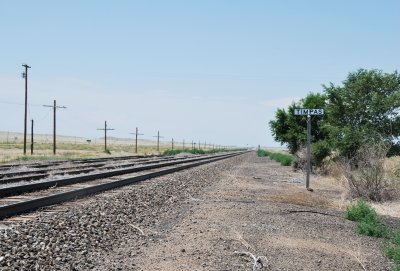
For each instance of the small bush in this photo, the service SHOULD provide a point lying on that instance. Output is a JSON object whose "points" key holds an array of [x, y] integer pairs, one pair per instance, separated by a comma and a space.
{"points": [[319, 151], [359, 211], [262, 153], [368, 221]]}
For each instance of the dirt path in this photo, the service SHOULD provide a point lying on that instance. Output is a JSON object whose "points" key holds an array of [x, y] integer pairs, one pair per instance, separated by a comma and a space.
{"points": [[263, 209]]}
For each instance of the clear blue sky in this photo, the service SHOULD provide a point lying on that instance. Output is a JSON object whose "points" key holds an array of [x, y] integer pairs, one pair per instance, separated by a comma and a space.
{"points": [[213, 71]]}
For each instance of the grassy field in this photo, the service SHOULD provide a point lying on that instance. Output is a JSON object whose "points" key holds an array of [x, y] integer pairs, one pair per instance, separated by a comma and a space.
{"points": [[70, 147]]}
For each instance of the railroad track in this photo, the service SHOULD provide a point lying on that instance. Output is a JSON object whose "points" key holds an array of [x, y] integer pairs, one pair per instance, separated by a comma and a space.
{"points": [[67, 168], [19, 199]]}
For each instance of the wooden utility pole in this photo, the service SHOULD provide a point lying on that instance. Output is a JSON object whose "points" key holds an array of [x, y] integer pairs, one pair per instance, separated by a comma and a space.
{"points": [[31, 136], [158, 140], [136, 139], [105, 129], [25, 75], [54, 122], [183, 145], [172, 144]]}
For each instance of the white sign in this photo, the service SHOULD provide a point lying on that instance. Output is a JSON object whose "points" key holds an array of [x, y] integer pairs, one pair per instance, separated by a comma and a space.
{"points": [[308, 111]]}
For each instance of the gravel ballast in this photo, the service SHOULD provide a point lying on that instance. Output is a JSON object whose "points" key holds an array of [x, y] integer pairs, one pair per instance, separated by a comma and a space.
{"points": [[79, 237], [212, 217]]}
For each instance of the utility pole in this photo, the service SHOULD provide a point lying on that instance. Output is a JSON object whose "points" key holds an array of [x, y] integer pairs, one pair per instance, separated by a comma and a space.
{"points": [[183, 145], [105, 129], [192, 145], [25, 75], [31, 136], [199, 145], [54, 122], [158, 140], [172, 144], [136, 138]]}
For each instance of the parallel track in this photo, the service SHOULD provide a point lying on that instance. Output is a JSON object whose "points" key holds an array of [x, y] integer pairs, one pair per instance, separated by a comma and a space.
{"points": [[67, 168], [57, 191]]}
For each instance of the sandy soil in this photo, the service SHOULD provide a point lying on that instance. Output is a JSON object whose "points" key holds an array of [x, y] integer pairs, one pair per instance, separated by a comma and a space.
{"points": [[259, 209]]}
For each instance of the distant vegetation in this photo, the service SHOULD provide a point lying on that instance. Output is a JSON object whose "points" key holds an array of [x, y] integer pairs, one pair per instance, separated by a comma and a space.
{"points": [[197, 151], [283, 159]]}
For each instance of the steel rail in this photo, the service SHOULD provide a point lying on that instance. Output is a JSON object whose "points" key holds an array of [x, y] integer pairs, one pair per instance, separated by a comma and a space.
{"points": [[77, 161], [13, 177], [19, 189], [32, 204]]}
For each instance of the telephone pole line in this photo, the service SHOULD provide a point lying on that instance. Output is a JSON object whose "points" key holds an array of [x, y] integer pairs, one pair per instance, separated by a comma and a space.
{"points": [[55, 107], [136, 138], [25, 75], [105, 129]]}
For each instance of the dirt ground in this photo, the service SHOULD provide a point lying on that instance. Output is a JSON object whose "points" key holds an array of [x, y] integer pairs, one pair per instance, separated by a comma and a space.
{"points": [[260, 209]]}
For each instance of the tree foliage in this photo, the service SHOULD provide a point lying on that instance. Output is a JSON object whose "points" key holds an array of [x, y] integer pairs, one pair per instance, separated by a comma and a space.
{"points": [[291, 130], [363, 110]]}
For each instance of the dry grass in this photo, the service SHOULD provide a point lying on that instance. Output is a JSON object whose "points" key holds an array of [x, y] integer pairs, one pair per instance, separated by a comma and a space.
{"points": [[392, 172], [304, 198], [327, 194], [68, 147]]}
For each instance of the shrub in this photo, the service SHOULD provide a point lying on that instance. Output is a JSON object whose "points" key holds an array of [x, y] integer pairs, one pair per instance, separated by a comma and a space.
{"points": [[368, 221], [319, 151], [359, 211], [262, 153], [365, 173]]}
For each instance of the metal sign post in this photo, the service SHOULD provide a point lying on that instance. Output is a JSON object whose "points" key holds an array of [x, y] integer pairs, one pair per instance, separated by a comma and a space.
{"points": [[308, 112]]}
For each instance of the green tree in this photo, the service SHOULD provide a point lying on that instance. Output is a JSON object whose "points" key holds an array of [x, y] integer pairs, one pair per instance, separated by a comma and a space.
{"points": [[291, 130], [363, 110]]}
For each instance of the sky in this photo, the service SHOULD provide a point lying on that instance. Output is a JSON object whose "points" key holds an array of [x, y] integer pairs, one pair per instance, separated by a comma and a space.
{"points": [[209, 70]]}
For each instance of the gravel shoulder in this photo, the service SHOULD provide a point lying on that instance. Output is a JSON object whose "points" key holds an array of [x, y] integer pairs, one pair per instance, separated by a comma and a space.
{"points": [[205, 218]]}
